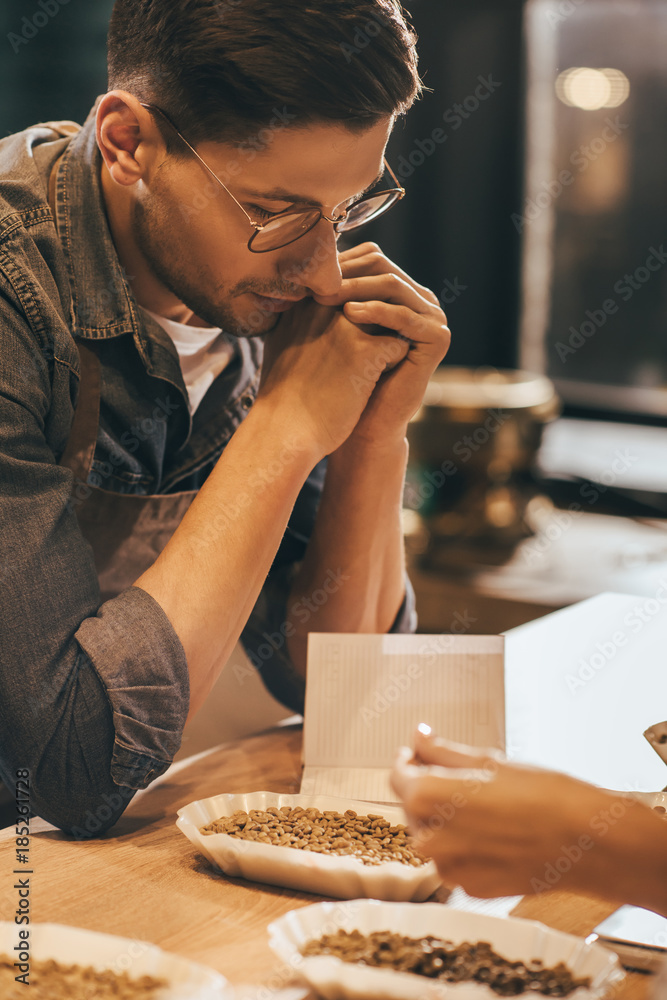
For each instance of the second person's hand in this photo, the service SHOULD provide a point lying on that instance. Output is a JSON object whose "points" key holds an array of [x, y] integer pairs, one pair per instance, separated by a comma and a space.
{"points": [[490, 826], [498, 829]]}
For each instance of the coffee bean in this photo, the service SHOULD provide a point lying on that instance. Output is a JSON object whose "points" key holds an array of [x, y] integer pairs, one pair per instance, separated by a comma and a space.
{"points": [[438, 959], [371, 839]]}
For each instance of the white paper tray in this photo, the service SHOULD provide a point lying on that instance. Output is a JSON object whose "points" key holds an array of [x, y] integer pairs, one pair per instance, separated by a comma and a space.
{"points": [[75, 946], [327, 875], [511, 937]]}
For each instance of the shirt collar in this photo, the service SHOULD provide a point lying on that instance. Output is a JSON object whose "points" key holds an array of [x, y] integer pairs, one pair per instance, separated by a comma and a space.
{"points": [[102, 302]]}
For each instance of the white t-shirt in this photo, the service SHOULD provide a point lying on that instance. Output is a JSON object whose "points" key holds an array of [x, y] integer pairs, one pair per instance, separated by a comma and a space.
{"points": [[202, 351]]}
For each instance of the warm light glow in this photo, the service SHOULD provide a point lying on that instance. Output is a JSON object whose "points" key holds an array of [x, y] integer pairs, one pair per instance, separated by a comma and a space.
{"points": [[591, 89]]}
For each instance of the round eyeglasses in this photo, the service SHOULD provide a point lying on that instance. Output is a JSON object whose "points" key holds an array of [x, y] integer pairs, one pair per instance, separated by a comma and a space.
{"points": [[285, 227]]}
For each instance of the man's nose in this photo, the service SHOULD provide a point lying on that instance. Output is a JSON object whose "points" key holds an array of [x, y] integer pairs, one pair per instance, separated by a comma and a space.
{"points": [[312, 261]]}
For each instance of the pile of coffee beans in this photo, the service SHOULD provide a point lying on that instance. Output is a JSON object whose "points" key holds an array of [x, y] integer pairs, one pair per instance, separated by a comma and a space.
{"points": [[49, 980], [372, 839], [442, 960]]}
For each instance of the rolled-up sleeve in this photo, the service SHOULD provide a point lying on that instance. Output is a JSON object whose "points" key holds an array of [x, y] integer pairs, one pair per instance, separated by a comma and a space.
{"points": [[146, 681], [92, 697]]}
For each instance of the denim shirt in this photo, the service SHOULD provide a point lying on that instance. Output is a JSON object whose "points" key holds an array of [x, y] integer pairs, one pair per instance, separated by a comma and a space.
{"points": [[94, 696]]}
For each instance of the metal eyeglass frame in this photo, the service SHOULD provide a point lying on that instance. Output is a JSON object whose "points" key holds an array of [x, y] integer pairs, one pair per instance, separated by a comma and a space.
{"points": [[398, 192]]}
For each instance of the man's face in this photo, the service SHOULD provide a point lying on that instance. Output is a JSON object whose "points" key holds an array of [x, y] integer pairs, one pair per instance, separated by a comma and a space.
{"points": [[194, 238]]}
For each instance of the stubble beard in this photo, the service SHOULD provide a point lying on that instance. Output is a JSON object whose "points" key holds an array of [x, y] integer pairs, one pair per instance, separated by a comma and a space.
{"points": [[157, 240]]}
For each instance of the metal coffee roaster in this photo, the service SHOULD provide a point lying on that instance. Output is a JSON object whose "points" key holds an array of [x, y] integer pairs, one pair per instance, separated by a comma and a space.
{"points": [[473, 445]]}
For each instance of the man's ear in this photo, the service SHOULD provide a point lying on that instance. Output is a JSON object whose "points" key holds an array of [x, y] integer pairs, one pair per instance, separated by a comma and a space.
{"points": [[127, 137]]}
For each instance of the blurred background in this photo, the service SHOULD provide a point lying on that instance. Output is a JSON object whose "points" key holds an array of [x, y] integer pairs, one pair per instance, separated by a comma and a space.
{"points": [[536, 210]]}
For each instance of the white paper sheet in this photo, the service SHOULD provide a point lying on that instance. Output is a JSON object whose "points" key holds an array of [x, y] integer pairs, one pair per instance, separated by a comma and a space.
{"points": [[367, 693], [582, 686], [370, 784]]}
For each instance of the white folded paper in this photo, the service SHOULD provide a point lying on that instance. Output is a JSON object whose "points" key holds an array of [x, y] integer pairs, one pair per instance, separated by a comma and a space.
{"points": [[366, 694]]}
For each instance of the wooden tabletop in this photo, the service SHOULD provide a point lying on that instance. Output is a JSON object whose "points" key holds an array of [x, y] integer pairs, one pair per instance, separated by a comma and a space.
{"points": [[144, 880]]}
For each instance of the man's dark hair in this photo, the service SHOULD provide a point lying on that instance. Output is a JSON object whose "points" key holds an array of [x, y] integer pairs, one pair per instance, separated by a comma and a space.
{"points": [[222, 68]]}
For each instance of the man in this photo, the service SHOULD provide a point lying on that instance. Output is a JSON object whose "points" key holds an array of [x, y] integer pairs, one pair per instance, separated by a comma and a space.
{"points": [[163, 492]]}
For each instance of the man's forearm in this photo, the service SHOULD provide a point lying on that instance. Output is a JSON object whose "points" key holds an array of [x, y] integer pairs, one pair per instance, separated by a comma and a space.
{"points": [[209, 575], [352, 578]]}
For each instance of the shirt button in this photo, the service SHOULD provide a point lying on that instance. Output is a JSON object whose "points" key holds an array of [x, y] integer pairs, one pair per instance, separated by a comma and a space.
{"points": [[247, 400]]}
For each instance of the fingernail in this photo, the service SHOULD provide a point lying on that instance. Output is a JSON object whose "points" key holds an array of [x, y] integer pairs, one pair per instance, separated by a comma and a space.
{"points": [[424, 729], [355, 306]]}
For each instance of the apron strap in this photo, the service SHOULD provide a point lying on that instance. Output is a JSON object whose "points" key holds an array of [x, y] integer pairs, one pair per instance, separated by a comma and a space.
{"points": [[80, 448]]}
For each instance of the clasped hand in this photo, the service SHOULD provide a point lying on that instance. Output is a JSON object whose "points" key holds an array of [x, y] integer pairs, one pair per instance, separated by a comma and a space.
{"points": [[334, 375], [376, 292]]}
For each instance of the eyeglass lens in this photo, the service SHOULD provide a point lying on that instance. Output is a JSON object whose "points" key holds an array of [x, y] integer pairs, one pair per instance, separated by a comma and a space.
{"points": [[284, 230], [367, 209], [279, 232]]}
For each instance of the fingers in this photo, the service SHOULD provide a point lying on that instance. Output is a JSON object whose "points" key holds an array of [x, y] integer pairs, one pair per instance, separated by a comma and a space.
{"points": [[388, 286], [388, 351], [414, 326], [431, 749], [376, 347], [375, 291], [395, 317], [367, 258], [361, 250], [421, 788], [424, 789], [404, 772]]}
